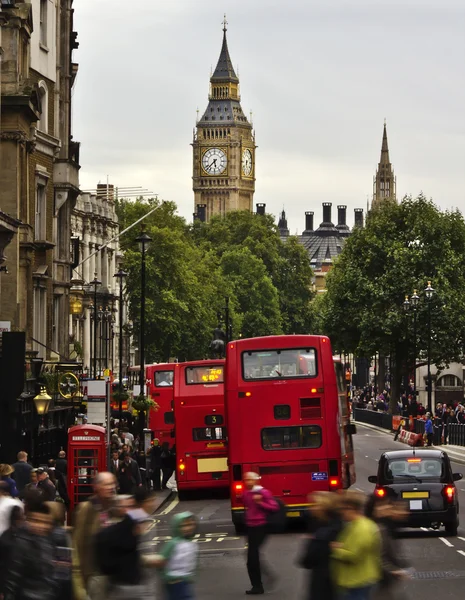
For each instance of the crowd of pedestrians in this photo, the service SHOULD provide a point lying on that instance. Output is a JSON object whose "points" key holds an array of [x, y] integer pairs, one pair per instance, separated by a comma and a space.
{"points": [[350, 550], [133, 467]]}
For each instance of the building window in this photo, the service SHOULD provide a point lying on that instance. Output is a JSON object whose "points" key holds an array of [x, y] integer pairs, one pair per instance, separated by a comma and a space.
{"points": [[43, 21], [449, 381], [39, 328], [41, 212], [57, 326], [42, 124]]}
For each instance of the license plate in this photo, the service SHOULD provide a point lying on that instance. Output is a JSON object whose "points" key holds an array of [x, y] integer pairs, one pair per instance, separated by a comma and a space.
{"points": [[293, 513], [415, 495]]}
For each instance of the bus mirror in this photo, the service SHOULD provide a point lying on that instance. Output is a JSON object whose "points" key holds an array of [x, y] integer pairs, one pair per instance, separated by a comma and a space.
{"points": [[372, 479]]}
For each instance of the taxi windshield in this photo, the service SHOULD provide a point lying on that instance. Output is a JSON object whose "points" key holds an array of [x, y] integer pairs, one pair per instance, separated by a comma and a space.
{"points": [[415, 469]]}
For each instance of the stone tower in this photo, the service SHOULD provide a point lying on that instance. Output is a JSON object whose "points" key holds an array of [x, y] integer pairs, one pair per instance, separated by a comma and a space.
{"points": [[223, 147], [384, 182]]}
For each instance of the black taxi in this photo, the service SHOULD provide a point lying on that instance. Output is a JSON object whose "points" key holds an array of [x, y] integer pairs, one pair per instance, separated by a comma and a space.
{"points": [[424, 480]]}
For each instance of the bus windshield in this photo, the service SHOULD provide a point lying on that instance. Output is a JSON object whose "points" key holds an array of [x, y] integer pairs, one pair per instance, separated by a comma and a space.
{"points": [[276, 364]]}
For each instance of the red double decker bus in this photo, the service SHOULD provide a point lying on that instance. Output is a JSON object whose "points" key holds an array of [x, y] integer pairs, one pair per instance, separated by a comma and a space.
{"points": [[160, 378], [288, 419], [201, 437]]}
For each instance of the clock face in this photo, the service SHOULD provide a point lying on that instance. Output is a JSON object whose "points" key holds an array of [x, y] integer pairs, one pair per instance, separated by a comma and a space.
{"points": [[246, 162], [214, 161]]}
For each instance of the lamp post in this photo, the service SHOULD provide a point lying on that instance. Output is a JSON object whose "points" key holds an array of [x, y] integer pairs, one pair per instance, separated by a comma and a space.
{"points": [[143, 241], [407, 310], [95, 282], [42, 403], [429, 291], [414, 300], [120, 275]]}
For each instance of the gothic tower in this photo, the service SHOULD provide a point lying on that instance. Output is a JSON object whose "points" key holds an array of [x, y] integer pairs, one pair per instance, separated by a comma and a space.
{"points": [[384, 182], [223, 147]]}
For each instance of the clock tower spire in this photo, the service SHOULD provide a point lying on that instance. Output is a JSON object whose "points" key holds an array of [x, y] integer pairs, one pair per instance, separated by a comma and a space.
{"points": [[223, 146]]}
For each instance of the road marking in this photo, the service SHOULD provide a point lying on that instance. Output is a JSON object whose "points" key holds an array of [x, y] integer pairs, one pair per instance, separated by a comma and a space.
{"points": [[462, 552], [170, 507], [222, 550], [446, 542]]}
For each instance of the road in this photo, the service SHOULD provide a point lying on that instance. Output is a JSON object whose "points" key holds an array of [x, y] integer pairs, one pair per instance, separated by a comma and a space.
{"points": [[439, 561]]}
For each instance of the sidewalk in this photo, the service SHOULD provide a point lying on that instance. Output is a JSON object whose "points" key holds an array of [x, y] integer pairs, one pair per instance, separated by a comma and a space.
{"points": [[456, 453]]}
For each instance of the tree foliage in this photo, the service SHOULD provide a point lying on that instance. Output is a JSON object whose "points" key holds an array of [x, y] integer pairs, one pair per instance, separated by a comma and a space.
{"points": [[191, 269], [402, 247]]}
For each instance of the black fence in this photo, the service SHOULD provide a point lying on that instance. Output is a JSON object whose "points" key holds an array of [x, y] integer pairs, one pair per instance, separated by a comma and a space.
{"points": [[453, 433], [373, 417]]}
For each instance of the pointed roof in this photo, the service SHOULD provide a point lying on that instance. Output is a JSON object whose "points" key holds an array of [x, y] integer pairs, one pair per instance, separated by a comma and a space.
{"points": [[224, 69], [384, 160]]}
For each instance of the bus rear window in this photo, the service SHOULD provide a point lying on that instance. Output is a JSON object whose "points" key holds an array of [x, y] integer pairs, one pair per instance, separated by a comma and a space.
{"points": [[279, 364], [291, 438], [207, 434], [204, 375], [163, 378]]}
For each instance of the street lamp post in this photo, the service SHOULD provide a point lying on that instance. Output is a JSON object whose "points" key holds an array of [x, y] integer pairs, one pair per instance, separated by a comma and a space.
{"points": [[143, 241], [406, 380], [95, 282], [414, 300], [120, 275], [429, 291]]}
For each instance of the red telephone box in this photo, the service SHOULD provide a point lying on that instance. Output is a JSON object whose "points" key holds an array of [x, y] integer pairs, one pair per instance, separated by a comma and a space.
{"points": [[86, 458]]}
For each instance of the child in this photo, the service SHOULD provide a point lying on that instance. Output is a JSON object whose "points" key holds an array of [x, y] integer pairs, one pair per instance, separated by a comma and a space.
{"points": [[180, 556]]}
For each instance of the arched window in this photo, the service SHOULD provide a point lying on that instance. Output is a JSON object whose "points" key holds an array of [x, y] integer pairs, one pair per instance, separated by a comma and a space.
{"points": [[42, 124], [449, 381]]}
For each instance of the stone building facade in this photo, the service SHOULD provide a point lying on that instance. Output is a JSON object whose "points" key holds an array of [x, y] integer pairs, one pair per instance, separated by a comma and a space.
{"points": [[94, 224], [223, 147], [39, 169]]}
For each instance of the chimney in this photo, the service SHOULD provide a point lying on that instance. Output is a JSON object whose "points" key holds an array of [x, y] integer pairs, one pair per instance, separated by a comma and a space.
{"points": [[327, 212], [202, 212], [358, 217], [308, 222], [341, 215], [261, 209], [105, 192]]}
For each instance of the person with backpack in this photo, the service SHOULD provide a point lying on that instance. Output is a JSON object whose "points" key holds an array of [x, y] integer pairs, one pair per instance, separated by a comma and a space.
{"points": [[259, 505]]}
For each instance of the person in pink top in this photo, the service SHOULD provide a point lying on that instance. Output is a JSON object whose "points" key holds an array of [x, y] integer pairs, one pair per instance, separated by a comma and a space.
{"points": [[258, 503]]}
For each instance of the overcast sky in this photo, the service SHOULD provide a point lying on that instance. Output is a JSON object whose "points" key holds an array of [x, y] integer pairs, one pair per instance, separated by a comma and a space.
{"points": [[319, 75]]}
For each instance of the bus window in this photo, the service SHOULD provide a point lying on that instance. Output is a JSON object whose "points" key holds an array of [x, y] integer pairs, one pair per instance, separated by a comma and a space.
{"points": [[163, 378], [204, 375], [207, 434], [169, 418], [279, 364], [285, 438]]}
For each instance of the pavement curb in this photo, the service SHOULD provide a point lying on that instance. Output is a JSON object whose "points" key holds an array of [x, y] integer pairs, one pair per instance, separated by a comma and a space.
{"points": [[164, 501], [456, 456]]}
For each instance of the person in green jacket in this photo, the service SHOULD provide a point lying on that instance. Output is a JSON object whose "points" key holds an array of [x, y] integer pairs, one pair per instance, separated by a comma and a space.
{"points": [[357, 552], [180, 558]]}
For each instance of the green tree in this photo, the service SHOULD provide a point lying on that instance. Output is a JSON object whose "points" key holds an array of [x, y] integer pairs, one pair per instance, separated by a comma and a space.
{"points": [[402, 247], [181, 284], [286, 265], [256, 298]]}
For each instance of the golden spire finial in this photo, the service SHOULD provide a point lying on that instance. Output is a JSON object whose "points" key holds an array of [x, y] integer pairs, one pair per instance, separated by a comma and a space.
{"points": [[225, 24]]}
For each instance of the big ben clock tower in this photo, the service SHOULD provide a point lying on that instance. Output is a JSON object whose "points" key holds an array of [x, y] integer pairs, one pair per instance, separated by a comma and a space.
{"points": [[224, 147]]}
